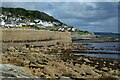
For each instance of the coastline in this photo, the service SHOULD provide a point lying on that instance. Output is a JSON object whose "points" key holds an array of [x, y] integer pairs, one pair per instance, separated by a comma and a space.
{"points": [[58, 62], [108, 39], [41, 41], [56, 59]]}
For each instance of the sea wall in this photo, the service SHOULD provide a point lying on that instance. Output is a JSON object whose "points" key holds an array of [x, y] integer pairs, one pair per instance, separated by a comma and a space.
{"points": [[88, 36], [35, 37]]}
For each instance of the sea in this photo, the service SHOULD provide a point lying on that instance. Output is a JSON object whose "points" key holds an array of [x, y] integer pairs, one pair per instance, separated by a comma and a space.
{"points": [[107, 34], [108, 47]]}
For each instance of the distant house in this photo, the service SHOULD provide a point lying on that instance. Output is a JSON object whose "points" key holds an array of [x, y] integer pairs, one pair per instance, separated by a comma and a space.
{"points": [[47, 24], [37, 21], [73, 29], [65, 26], [56, 23], [61, 29], [68, 29], [22, 24], [2, 23], [31, 23], [9, 26]]}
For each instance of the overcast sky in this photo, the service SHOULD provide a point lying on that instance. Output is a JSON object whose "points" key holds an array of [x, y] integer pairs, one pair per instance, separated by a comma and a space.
{"points": [[91, 16]]}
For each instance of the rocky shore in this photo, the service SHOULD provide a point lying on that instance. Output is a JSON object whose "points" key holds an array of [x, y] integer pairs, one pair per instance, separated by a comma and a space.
{"points": [[99, 39], [59, 62]]}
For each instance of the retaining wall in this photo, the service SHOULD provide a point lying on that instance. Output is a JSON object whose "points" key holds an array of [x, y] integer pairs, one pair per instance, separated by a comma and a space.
{"points": [[35, 37]]}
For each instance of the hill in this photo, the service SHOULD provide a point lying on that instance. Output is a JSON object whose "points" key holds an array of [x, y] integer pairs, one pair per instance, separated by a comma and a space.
{"points": [[22, 18], [31, 14]]}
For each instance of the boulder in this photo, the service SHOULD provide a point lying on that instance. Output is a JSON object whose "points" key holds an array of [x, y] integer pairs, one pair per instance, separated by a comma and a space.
{"points": [[105, 69], [9, 70], [11, 48], [87, 60]]}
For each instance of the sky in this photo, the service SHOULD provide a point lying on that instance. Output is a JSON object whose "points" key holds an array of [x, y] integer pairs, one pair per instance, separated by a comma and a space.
{"points": [[90, 16]]}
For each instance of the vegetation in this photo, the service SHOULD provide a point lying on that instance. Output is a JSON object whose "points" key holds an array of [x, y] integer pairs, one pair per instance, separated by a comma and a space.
{"points": [[82, 32], [31, 14], [27, 15]]}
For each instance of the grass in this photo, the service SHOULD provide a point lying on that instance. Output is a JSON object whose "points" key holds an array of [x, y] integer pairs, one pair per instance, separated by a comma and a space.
{"points": [[82, 32]]}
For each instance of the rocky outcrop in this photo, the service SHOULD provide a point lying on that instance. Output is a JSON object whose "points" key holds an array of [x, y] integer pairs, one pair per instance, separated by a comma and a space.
{"points": [[57, 62], [8, 70]]}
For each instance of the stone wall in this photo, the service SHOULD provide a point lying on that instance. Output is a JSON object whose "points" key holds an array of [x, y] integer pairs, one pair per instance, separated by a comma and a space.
{"points": [[35, 37]]}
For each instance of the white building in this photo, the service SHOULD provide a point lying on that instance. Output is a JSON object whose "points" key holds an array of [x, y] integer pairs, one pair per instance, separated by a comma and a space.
{"points": [[59, 29], [62, 29], [2, 23], [31, 23], [68, 29], [73, 29]]}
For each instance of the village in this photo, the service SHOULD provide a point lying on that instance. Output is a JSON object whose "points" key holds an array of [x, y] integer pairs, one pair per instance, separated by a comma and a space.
{"points": [[9, 21]]}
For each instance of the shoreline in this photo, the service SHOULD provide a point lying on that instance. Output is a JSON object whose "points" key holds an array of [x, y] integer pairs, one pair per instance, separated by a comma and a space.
{"points": [[58, 62], [94, 52], [107, 39]]}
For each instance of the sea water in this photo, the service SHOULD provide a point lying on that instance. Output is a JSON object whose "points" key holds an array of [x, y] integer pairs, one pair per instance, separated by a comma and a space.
{"points": [[108, 47]]}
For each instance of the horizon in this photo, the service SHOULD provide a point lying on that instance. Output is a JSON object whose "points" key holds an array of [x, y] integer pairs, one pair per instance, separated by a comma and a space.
{"points": [[84, 18]]}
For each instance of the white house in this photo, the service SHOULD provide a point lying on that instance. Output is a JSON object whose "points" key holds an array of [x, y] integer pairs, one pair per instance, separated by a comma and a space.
{"points": [[62, 29], [2, 23], [73, 29], [59, 29], [65, 26], [37, 20], [68, 29], [31, 23], [22, 23], [9, 25]]}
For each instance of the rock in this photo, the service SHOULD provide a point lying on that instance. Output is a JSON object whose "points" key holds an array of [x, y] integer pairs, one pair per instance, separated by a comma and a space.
{"points": [[40, 74], [87, 60], [59, 51], [9, 70], [97, 63], [24, 49], [88, 70], [52, 65], [37, 72], [19, 61], [45, 51], [49, 71], [105, 69], [78, 65], [111, 64], [65, 78], [112, 71], [80, 58], [109, 77], [11, 48], [33, 65], [32, 49], [26, 62]]}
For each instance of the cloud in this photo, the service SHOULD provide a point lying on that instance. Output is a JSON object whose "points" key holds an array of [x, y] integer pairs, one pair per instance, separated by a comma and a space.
{"points": [[60, 0], [92, 16], [84, 10], [97, 16]]}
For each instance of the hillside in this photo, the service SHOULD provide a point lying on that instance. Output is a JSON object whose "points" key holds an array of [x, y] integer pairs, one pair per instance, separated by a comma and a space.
{"points": [[22, 18], [31, 14]]}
